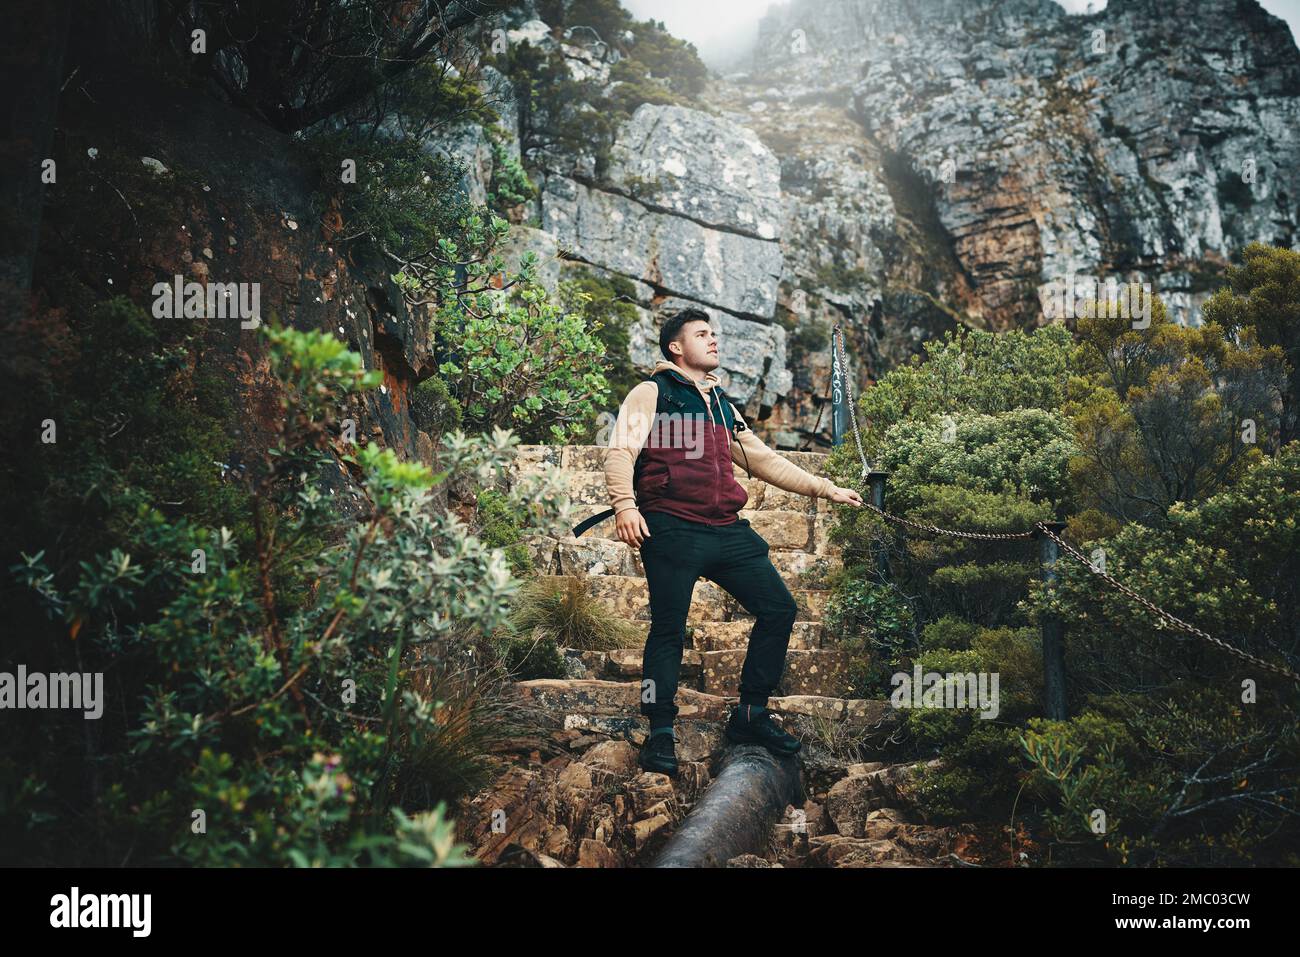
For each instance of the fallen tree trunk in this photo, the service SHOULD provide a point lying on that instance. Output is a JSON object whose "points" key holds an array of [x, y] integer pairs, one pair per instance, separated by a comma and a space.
{"points": [[737, 812]]}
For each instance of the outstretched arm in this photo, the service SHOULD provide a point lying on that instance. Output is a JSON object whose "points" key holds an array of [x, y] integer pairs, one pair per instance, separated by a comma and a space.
{"points": [[749, 452]]}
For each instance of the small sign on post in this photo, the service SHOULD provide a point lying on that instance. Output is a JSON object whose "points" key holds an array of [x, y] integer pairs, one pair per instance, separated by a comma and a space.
{"points": [[839, 394]]}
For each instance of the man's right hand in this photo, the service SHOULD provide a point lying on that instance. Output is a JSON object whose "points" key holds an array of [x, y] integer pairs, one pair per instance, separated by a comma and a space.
{"points": [[631, 527]]}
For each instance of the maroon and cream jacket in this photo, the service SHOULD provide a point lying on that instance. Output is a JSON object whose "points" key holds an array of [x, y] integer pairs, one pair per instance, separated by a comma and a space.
{"points": [[675, 446]]}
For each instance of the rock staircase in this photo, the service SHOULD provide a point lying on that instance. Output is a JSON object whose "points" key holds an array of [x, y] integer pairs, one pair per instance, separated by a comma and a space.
{"points": [[576, 796]]}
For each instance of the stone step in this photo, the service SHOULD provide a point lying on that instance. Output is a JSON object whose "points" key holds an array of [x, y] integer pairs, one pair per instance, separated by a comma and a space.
{"points": [[721, 636], [628, 597], [729, 635], [591, 458], [609, 556], [782, 529], [822, 672], [580, 702], [818, 672]]}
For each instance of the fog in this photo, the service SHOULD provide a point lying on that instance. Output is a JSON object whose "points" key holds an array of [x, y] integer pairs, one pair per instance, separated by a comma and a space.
{"points": [[724, 30]]}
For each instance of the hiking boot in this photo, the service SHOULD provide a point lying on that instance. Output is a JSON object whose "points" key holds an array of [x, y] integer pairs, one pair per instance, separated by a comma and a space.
{"points": [[659, 753], [761, 730]]}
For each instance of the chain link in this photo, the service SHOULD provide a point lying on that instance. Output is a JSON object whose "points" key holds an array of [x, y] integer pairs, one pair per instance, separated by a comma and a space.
{"points": [[1160, 612], [926, 527], [1042, 527]]}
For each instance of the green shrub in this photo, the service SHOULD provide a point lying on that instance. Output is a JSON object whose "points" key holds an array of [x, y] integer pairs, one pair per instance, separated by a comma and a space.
{"points": [[932, 727], [987, 592], [510, 184], [1021, 452], [500, 526], [608, 303], [949, 632], [968, 372], [1214, 563], [433, 408], [978, 779], [513, 358], [1159, 412], [404, 200], [297, 728], [1195, 779], [1016, 654], [873, 620], [528, 659]]}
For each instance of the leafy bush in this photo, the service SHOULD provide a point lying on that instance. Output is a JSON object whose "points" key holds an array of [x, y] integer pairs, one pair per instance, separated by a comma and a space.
{"points": [[500, 526], [510, 184], [981, 768], [404, 201], [875, 621], [1262, 295], [1021, 452], [1159, 412], [1195, 779], [514, 358], [433, 408], [273, 731], [967, 372], [1223, 564], [608, 302]]}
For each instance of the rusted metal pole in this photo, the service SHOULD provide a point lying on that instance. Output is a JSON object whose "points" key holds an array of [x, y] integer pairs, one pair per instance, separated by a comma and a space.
{"points": [[1053, 630], [738, 811]]}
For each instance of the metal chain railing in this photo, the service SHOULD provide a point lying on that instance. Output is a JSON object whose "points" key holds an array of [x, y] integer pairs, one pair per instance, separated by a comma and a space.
{"points": [[1042, 527], [1160, 612], [926, 527]]}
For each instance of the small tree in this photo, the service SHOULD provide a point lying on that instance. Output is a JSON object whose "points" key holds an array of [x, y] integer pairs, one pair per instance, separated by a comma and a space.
{"points": [[1262, 300], [1166, 413]]}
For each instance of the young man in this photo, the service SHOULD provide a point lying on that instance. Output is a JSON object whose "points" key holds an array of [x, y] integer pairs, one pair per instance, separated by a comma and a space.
{"points": [[676, 499]]}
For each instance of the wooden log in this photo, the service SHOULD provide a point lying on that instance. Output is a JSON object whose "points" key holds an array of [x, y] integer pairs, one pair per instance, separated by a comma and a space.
{"points": [[736, 814]]}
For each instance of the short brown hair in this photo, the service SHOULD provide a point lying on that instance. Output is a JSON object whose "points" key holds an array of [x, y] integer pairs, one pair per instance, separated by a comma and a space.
{"points": [[672, 327]]}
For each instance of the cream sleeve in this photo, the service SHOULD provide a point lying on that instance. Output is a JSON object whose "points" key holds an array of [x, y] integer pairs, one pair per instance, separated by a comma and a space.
{"points": [[750, 453], [635, 419]]}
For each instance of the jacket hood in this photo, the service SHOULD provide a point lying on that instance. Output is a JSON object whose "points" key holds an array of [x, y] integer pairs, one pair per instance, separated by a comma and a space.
{"points": [[710, 380]]}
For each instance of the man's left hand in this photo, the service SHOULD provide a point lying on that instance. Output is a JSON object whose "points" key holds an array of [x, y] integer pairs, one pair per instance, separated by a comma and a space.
{"points": [[845, 496]]}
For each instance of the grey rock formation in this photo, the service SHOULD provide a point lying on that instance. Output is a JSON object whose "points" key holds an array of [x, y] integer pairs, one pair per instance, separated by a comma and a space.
{"points": [[905, 167], [728, 270], [1143, 142], [715, 172]]}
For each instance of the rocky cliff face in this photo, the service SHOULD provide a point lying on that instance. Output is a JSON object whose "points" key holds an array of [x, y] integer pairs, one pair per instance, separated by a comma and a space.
{"points": [[1148, 142], [203, 195], [905, 166]]}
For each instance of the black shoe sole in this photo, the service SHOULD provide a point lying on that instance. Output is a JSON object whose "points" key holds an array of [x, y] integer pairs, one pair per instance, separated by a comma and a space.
{"points": [[738, 738]]}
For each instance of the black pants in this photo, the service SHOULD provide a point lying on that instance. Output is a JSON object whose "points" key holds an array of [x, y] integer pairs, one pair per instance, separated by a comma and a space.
{"points": [[676, 554]]}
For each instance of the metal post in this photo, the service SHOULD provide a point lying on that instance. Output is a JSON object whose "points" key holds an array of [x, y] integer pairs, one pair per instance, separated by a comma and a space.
{"points": [[839, 395], [1053, 629], [876, 491]]}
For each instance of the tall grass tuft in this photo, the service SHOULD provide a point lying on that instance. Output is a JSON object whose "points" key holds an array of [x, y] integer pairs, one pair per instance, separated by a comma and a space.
{"points": [[562, 610]]}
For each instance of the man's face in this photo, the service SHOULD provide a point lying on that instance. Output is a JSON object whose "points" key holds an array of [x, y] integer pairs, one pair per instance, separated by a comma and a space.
{"points": [[699, 344]]}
